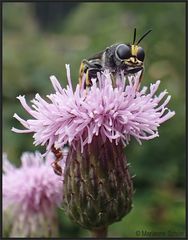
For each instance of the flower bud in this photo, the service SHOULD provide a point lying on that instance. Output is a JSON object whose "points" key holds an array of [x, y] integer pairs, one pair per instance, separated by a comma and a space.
{"points": [[98, 188]]}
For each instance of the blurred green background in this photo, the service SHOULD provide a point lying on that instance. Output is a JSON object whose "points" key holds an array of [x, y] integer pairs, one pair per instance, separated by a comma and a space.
{"points": [[40, 38]]}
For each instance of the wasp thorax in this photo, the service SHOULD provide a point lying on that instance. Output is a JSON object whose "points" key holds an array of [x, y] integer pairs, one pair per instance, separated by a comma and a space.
{"points": [[97, 185]]}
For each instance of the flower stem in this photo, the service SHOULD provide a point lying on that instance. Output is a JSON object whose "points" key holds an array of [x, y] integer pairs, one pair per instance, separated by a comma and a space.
{"points": [[100, 232]]}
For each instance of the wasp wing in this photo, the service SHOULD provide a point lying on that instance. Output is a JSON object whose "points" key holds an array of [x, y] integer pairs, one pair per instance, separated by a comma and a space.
{"points": [[96, 56]]}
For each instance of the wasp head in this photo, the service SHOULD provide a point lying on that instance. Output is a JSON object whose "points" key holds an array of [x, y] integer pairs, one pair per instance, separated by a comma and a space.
{"points": [[130, 57]]}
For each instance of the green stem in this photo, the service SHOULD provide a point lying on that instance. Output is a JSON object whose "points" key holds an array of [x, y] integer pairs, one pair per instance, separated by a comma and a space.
{"points": [[100, 232]]}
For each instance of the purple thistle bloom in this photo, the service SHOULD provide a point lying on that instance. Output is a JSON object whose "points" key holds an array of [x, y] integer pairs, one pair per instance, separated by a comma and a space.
{"points": [[96, 122], [31, 195], [113, 113]]}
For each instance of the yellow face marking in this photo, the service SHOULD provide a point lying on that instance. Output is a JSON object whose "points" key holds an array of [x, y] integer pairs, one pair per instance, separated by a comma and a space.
{"points": [[134, 50]]}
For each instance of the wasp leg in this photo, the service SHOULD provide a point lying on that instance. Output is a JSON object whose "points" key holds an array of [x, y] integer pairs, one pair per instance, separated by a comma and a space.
{"points": [[82, 71], [84, 66], [113, 78], [137, 87], [90, 69], [92, 73]]}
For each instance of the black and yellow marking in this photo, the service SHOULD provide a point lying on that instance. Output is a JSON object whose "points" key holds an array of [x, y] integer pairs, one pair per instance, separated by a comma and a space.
{"points": [[115, 58]]}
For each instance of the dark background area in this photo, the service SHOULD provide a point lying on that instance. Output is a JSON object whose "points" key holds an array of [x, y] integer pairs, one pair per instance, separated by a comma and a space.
{"points": [[40, 38]]}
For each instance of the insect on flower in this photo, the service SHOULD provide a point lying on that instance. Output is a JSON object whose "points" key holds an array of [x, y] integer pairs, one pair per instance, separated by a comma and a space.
{"points": [[58, 154], [94, 128], [117, 57]]}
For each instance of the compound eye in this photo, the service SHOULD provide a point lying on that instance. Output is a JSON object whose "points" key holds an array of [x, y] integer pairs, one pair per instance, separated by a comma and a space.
{"points": [[123, 52], [140, 54]]}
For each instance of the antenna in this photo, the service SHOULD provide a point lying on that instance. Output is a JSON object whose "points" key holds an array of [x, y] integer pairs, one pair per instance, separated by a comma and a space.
{"points": [[134, 38], [144, 36]]}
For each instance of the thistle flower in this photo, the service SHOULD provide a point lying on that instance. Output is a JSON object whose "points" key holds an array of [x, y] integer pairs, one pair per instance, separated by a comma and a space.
{"points": [[112, 113], [97, 124], [31, 195]]}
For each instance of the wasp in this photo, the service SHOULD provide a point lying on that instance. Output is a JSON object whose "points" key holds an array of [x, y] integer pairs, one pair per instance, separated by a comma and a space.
{"points": [[117, 57]]}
